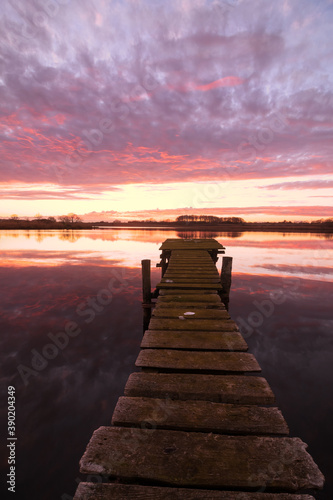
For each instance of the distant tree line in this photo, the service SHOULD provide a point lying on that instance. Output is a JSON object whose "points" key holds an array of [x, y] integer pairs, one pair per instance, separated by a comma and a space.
{"points": [[210, 219], [326, 222], [69, 221]]}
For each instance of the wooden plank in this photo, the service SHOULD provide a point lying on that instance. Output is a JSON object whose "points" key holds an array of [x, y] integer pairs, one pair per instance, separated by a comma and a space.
{"points": [[198, 298], [188, 313], [188, 269], [201, 416], [191, 254], [191, 273], [218, 361], [202, 460], [187, 261], [190, 244], [184, 279], [189, 286], [190, 304], [217, 388], [192, 324], [191, 257], [220, 341], [98, 491], [188, 291], [192, 276], [193, 263], [204, 251], [191, 266]]}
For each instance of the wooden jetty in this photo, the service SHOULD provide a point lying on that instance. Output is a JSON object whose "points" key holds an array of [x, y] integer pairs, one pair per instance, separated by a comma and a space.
{"points": [[197, 421]]}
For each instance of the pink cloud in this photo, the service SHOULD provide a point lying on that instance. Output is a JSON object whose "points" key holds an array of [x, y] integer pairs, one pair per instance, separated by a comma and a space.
{"points": [[228, 81], [302, 212]]}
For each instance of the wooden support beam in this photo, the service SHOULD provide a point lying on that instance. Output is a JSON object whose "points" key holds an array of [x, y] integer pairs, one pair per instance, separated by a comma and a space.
{"points": [[146, 282], [226, 274], [226, 279]]}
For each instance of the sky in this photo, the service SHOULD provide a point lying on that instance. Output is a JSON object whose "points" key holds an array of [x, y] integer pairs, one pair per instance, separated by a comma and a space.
{"points": [[152, 109]]}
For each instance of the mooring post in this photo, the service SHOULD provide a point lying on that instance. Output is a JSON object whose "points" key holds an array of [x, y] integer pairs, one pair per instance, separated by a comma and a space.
{"points": [[146, 283], [146, 293], [226, 279]]}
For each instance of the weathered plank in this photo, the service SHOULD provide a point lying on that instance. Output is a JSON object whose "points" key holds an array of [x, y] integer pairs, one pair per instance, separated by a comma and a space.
{"points": [[176, 265], [192, 255], [188, 386], [193, 263], [188, 271], [198, 298], [192, 252], [176, 312], [190, 244], [190, 340], [190, 304], [192, 324], [189, 274], [219, 361], [182, 279], [189, 286], [188, 264], [189, 291], [200, 459], [201, 416], [93, 491]]}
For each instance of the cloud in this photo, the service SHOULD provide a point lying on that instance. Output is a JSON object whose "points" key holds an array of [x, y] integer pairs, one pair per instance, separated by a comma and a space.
{"points": [[29, 192], [228, 81], [301, 211], [311, 184], [136, 92]]}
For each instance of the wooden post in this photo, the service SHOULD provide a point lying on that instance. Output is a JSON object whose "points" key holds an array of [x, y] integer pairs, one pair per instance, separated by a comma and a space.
{"points": [[226, 279], [165, 256], [146, 283]]}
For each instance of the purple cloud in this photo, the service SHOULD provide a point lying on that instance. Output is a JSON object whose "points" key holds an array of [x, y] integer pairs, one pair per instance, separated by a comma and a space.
{"points": [[111, 93]]}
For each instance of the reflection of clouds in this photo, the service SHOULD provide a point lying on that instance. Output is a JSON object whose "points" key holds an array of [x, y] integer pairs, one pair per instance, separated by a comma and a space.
{"points": [[294, 348], [41, 258], [317, 270], [79, 388]]}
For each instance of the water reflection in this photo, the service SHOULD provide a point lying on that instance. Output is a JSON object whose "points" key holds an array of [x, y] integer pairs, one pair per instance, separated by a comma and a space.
{"points": [[190, 235], [70, 235], [207, 234], [292, 341], [59, 278], [61, 403]]}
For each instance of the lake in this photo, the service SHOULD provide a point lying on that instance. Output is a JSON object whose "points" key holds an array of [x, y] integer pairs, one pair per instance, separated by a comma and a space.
{"points": [[71, 326]]}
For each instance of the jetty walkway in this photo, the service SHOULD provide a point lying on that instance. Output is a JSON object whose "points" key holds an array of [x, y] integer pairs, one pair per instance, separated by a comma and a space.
{"points": [[197, 421]]}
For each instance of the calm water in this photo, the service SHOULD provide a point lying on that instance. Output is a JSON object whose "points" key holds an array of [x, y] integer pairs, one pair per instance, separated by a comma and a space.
{"points": [[75, 297]]}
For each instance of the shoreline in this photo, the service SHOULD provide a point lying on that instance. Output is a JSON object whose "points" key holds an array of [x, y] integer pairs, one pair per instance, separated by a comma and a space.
{"points": [[223, 228]]}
